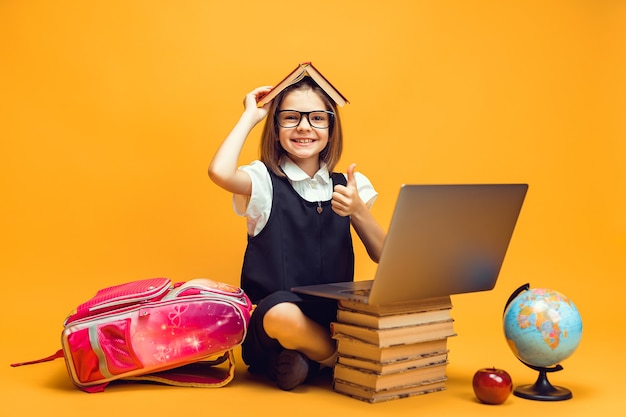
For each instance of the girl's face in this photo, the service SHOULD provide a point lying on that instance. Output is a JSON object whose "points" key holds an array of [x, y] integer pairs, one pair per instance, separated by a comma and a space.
{"points": [[303, 143]]}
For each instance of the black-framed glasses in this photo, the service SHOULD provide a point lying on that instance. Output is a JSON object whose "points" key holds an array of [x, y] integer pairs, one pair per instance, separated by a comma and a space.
{"points": [[319, 119]]}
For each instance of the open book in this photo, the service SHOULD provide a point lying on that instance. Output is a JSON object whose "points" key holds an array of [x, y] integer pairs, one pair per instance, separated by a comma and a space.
{"points": [[302, 70]]}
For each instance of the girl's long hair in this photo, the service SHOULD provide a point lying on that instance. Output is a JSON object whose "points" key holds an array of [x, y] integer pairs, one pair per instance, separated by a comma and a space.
{"points": [[271, 149]]}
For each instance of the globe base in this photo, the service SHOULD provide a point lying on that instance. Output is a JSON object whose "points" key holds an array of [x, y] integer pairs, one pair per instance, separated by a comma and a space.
{"points": [[542, 389]]}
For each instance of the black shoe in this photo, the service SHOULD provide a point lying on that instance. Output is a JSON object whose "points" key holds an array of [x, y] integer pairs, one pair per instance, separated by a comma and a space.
{"points": [[290, 368]]}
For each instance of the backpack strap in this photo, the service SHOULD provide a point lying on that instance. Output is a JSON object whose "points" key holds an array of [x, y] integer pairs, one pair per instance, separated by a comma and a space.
{"points": [[57, 355], [202, 374]]}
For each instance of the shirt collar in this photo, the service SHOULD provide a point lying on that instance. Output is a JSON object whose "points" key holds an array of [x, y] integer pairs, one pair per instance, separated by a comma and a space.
{"points": [[294, 173]]}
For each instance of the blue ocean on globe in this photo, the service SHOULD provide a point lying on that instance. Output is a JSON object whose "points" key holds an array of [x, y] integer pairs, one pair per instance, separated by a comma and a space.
{"points": [[542, 327]]}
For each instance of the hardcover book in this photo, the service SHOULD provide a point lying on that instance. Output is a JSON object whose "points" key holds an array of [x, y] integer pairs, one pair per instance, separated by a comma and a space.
{"points": [[396, 335], [426, 304], [303, 70], [403, 379], [349, 346], [397, 320], [372, 396], [383, 368]]}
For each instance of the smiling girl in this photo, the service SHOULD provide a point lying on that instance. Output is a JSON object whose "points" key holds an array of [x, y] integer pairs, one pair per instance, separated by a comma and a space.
{"points": [[298, 213]]}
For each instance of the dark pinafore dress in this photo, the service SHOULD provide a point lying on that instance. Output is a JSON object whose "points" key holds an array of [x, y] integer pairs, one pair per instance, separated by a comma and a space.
{"points": [[303, 243]]}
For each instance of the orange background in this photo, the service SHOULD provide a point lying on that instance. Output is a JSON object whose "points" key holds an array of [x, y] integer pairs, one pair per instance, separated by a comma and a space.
{"points": [[110, 112]]}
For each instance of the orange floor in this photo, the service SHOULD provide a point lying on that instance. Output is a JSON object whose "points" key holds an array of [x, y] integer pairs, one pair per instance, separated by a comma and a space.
{"points": [[591, 373]]}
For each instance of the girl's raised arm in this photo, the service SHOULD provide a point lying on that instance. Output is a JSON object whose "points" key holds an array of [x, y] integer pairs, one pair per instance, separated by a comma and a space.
{"points": [[223, 168]]}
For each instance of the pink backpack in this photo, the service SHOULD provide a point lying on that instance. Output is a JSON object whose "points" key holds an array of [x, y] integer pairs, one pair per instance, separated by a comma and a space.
{"points": [[153, 330]]}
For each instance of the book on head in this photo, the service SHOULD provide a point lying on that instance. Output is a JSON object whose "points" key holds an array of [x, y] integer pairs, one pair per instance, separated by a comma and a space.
{"points": [[304, 69]]}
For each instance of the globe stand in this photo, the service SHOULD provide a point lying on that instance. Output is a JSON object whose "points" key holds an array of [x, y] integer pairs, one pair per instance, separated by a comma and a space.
{"points": [[542, 389]]}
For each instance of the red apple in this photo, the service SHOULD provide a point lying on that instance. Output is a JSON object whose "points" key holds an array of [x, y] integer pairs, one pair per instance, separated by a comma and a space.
{"points": [[492, 386]]}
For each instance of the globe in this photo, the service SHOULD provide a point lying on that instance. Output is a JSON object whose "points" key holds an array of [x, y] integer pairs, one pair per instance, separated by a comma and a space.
{"points": [[542, 327]]}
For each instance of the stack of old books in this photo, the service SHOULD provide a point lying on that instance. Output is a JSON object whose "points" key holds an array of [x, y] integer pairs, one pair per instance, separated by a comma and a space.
{"points": [[393, 351]]}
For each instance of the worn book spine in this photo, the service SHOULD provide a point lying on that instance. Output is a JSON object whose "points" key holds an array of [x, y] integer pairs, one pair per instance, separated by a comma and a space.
{"points": [[397, 320], [396, 335], [373, 396], [376, 382], [383, 368], [427, 304], [349, 346]]}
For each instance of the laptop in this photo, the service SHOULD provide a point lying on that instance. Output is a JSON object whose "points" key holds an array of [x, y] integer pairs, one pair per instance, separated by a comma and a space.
{"points": [[442, 240]]}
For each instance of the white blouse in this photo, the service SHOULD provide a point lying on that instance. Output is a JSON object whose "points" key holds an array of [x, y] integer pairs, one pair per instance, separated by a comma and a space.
{"points": [[258, 206]]}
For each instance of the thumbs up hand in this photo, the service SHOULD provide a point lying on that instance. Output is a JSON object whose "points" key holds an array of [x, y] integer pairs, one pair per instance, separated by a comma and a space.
{"points": [[346, 200]]}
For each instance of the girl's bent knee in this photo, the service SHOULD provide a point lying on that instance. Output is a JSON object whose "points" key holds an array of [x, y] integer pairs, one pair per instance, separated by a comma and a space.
{"points": [[284, 317]]}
